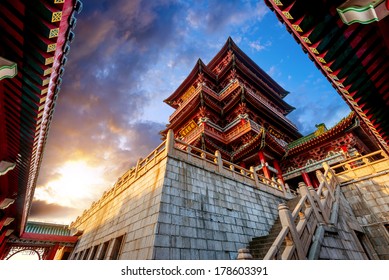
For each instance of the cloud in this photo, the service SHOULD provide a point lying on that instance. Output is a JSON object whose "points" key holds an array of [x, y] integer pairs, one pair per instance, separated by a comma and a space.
{"points": [[258, 46], [216, 15], [51, 212], [99, 112], [311, 110]]}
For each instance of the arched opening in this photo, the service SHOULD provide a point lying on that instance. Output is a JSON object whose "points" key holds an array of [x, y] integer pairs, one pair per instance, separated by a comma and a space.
{"points": [[25, 254]]}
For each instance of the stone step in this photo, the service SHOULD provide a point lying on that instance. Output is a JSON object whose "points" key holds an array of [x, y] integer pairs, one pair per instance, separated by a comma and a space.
{"points": [[259, 246]]}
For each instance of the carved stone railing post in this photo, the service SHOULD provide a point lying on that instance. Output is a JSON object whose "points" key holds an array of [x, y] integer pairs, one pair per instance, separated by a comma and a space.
{"points": [[254, 176], [219, 161], [304, 190], [244, 254], [169, 142], [287, 221], [317, 198], [320, 177], [189, 153], [284, 189], [137, 167]]}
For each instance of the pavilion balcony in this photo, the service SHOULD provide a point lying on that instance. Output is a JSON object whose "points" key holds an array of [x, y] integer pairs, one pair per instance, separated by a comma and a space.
{"points": [[228, 134]]}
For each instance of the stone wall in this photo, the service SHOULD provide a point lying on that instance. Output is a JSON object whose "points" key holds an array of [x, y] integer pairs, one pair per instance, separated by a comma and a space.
{"points": [[341, 242], [207, 215], [178, 206], [369, 199], [130, 210]]}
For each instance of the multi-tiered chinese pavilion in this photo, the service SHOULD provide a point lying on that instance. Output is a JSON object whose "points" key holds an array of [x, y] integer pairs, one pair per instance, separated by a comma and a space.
{"points": [[233, 106]]}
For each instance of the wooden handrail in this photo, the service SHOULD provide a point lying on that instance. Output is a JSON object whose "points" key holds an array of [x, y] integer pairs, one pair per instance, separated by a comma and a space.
{"points": [[313, 208]]}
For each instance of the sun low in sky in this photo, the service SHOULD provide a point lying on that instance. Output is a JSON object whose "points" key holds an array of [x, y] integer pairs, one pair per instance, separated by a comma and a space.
{"points": [[127, 57]]}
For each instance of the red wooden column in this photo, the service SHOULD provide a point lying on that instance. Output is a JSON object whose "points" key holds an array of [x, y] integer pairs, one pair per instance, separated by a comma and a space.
{"points": [[2, 249], [345, 151], [306, 179], [2, 241], [263, 162], [315, 182], [52, 252], [278, 168]]}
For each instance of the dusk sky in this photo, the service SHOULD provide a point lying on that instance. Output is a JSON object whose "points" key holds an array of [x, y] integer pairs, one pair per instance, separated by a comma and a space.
{"points": [[127, 57]]}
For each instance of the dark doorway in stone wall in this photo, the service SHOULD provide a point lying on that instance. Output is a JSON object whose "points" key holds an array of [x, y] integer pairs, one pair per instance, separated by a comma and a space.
{"points": [[366, 245]]}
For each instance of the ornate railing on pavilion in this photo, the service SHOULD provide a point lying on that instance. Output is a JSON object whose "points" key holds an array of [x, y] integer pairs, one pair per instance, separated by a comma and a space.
{"points": [[233, 85], [234, 131], [313, 211], [216, 163]]}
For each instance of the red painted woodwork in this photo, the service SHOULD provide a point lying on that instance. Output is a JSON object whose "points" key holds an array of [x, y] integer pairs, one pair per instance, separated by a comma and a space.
{"points": [[278, 168], [233, 106], [52, 252], [306, 179], [354, 65], [265, 169]]}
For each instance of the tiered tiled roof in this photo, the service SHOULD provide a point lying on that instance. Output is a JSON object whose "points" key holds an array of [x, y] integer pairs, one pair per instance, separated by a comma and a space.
{"points": [[353, 56], [321, 135]]}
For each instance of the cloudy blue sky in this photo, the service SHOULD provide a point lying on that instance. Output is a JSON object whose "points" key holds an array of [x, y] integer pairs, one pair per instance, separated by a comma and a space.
{"points": [[127, 57]]}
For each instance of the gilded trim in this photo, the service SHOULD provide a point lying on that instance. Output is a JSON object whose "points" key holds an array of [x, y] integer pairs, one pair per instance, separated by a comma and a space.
{"points": [[57, 16]]}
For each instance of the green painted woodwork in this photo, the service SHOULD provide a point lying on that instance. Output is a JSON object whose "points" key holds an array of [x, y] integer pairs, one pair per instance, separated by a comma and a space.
{"points": [[45, 228], [48, 13]]}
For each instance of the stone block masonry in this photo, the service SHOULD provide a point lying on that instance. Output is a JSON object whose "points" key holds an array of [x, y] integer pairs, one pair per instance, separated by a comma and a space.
{"points": [[206, 215], [369, 200], [175, 206]]}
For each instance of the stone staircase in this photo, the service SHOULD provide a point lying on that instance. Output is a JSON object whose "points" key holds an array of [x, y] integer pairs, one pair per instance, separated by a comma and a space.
{"points": [[259, 246]]}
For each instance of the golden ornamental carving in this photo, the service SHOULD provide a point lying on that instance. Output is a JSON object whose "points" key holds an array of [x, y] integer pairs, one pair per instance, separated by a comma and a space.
{"points": [[187, 128], [188, 93]]}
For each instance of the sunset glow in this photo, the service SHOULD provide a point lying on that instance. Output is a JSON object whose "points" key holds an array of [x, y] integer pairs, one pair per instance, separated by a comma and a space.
{"points": [[129, 56], [76, 181]]}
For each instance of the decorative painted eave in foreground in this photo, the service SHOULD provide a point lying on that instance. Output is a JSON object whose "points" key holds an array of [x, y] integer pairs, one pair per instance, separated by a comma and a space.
{"points": [[363, 11], [8, 69], [36, 36], [352, 58]]}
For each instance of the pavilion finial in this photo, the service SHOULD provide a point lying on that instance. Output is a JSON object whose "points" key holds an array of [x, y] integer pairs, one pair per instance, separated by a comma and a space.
{"points": [[230, 42]]}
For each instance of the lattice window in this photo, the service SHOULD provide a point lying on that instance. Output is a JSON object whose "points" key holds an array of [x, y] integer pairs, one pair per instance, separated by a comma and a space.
{"points": [[59, 1], [54, 33], [57, 16]]}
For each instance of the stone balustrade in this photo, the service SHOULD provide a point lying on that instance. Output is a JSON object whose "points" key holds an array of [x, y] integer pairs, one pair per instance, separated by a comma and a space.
{"points": [[358, 167]]}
